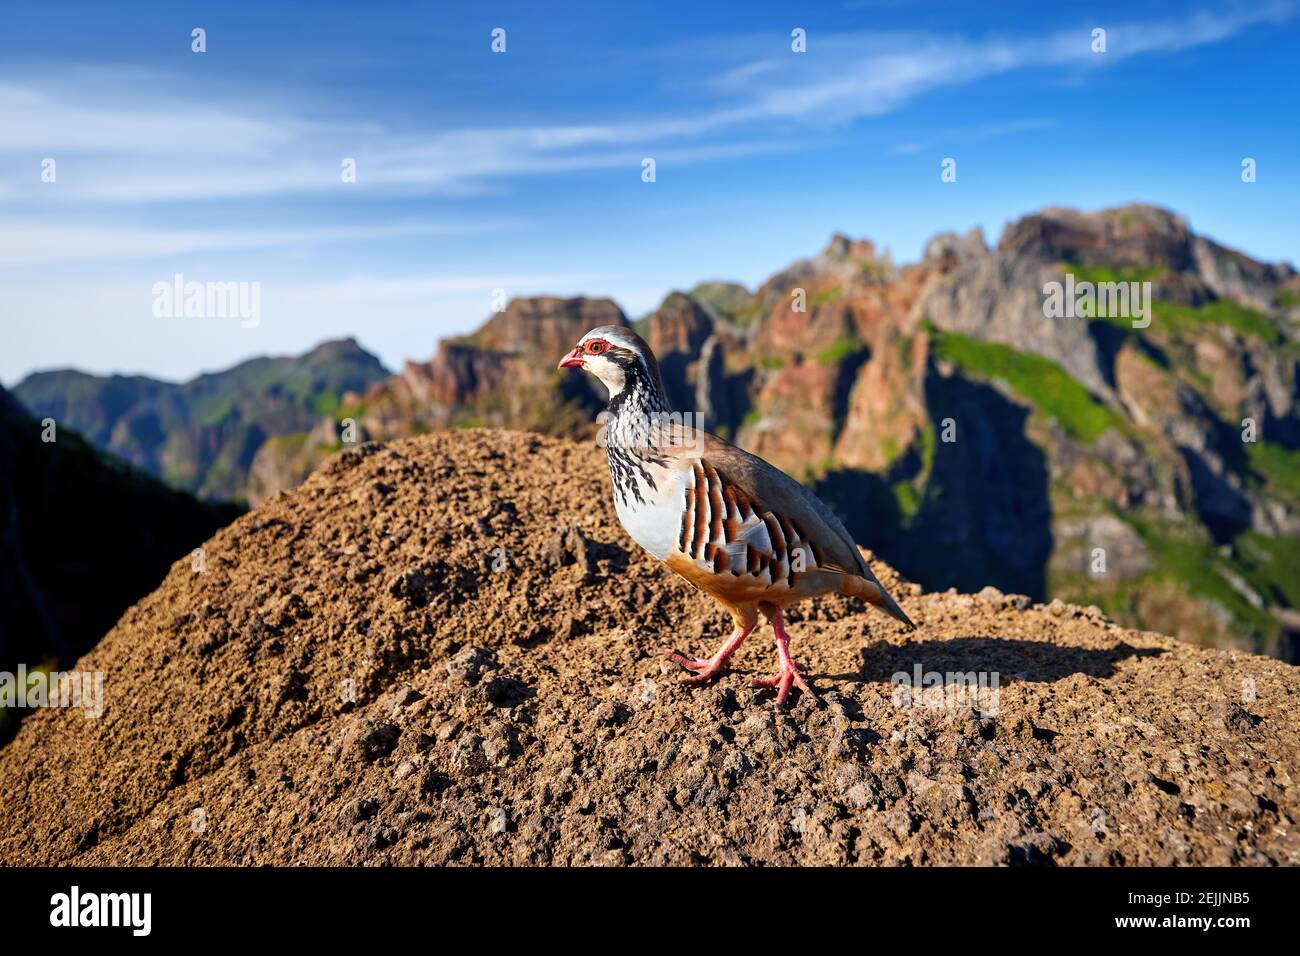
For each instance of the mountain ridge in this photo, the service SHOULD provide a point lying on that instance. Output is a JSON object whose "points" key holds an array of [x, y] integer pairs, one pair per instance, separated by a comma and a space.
{"points": [[970, 436], [200, 435], [1085, 434]]}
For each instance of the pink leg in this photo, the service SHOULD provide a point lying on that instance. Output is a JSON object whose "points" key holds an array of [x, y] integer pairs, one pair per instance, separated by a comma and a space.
{"points": [[710, 668], [789, 675]]}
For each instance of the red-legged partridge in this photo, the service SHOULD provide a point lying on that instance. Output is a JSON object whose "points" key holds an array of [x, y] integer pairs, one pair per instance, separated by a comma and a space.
{"points": [[732, 525]]}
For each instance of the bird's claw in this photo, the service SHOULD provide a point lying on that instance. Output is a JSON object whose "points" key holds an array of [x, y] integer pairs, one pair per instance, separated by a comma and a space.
{"points": [[788, 678], [705, 670]]}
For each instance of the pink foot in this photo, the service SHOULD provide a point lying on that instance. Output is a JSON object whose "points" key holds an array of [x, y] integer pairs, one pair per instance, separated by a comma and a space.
{"points": [[708, 669], [789, 675], [705, 670]]}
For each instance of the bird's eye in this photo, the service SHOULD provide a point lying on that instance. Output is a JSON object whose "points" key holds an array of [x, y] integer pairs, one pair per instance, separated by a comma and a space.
{"points": [[595, 348]]}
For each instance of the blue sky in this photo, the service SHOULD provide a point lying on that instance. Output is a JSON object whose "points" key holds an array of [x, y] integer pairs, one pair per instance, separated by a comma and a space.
{"points": [[522, 171]]}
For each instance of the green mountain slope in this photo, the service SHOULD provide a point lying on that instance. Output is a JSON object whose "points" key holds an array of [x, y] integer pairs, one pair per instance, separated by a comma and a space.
{"points": [[202, 435]]}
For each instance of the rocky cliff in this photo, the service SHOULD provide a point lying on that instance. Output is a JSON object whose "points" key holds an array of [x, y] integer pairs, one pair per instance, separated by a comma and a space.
{"points": [[445, 650], [1146, 463], [502, 374], [1141, 454]]}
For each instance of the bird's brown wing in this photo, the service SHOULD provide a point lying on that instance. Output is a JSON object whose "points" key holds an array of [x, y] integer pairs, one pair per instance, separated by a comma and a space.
{"points": [[749, 532], [783, 495], [769, 490]]}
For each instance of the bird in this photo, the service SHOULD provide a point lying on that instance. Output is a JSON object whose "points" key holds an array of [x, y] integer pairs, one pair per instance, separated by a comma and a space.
{"points": [[734, 526]]}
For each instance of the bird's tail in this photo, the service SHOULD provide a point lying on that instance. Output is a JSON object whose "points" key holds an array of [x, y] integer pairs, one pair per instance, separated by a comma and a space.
{"points": [[873, 593]]}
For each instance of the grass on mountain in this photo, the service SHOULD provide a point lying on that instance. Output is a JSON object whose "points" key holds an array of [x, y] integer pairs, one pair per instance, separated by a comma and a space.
{"points": [[222, 481], [1099, 275], [1269, 565], [1265, 563], [1190, 563], [828, 295], [838, 350], [1180, 318], [10, 716], [1221, 312], [730, 300], [213, 410], [904, 347], [179, 471], [929, 447], [874, 270], [291, 443], [907, 498], [890, 451], [1038, 380], [1278, 466], [910, 493], [326, 404]]}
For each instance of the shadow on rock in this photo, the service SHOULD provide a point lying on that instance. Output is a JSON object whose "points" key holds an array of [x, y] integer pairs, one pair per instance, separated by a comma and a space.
{"points": [[1012, 660]]}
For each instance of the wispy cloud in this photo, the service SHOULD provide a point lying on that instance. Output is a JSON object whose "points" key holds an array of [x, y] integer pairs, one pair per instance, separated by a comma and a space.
{"points": [[151, 141], [210, 167], [29, 241], [852, 75], [978, 133], [480, 288]]}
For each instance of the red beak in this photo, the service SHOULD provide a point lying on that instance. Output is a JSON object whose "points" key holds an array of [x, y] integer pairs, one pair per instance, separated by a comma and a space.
{"points": [[574, 358]]}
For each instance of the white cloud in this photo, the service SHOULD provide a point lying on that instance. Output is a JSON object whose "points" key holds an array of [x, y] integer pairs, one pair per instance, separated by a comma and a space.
{"points": [[107, 113], [366, 288], [128, 138], [848, 76], [978, 133], [32, 241]]}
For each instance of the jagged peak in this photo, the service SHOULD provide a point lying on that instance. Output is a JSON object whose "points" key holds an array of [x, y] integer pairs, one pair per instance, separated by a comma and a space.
{"points": [[526, 302], [841, 246], [1114, 221], [951, 247]]}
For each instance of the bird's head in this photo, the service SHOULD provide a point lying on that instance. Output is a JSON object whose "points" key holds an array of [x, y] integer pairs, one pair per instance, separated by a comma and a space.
{"points": [[618, 357]]}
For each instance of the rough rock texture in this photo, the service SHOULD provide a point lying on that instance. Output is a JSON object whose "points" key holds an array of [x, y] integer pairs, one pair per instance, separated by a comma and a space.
{"points": [[446, 651]]}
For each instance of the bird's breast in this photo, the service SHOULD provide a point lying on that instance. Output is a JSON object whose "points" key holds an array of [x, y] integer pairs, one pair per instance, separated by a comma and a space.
{"points": [[654, 518]]}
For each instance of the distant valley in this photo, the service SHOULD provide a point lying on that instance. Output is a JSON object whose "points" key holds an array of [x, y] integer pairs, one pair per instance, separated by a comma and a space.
{"points": [[201, 436]]}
